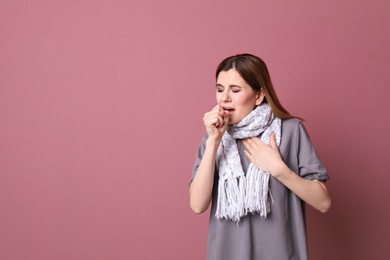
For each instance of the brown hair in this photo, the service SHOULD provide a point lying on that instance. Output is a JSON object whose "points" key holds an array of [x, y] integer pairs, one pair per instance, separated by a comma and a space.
{"points": [[254, 71]]}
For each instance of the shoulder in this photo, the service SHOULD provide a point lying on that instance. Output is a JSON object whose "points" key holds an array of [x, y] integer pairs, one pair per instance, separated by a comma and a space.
{"points": [[294, 132], [291, 126]]}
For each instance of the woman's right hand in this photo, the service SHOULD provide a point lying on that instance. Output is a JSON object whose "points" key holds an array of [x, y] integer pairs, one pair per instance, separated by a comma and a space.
{"points": [[216, 122]]}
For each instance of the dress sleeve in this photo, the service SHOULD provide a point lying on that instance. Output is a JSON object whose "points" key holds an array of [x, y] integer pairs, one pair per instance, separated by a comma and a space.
{"points": [[309, 164], [198, 157]]}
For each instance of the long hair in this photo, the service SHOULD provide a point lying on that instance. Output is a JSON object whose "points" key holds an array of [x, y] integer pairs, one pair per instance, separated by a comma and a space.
{"points": [[255, 73]]}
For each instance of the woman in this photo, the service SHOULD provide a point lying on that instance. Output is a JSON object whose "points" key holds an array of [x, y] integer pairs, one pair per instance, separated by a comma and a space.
{"points": [[257, 166]]}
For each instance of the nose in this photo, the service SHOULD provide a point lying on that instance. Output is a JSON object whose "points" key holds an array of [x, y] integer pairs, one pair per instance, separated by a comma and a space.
{"points": [[225, 96]]}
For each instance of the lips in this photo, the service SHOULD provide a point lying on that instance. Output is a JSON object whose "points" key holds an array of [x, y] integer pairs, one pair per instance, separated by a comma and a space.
{"points": [[230, 110]]}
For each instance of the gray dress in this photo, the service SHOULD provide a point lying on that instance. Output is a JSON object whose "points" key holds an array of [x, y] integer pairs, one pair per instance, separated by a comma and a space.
{"points": [[282, 234]]}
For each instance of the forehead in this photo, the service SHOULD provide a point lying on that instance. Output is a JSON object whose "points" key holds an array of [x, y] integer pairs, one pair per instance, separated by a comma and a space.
{"points": [[230, 77]]}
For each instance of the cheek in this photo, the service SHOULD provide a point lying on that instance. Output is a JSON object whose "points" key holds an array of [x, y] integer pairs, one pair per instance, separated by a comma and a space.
{"points": [[246, 100], [218, 97]]}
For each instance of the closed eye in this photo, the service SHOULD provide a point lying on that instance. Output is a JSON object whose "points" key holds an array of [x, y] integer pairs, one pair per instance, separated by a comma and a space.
{"points": [[233, 88]]}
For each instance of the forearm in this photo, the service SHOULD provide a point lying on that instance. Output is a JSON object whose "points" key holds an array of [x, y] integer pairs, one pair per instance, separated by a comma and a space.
{"points": [[202, 185], [312, 192]]}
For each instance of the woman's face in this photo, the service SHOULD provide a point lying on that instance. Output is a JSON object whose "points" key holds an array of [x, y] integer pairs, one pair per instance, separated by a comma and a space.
{"points": [[236, 96]]}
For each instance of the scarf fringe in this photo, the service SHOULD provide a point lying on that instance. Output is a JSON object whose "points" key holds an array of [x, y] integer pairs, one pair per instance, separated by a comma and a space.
{"points": [[242, 195], [257, 192], [231, 204]]}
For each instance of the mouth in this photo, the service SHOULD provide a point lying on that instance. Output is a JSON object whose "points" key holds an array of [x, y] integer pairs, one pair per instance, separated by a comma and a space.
{"points": [[230, 110]]}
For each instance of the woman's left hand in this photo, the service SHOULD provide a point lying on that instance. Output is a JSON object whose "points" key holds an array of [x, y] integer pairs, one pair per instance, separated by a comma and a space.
{"points": [[268, 158], [265, 157]]}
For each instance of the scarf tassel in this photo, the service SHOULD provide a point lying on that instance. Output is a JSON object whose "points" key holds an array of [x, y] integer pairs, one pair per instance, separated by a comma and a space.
{"points": [[231, 204], [242, 195], [256, 199]]}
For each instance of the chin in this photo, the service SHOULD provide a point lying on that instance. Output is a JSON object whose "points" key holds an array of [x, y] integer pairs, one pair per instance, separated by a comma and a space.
{"points": [[232, 122]]}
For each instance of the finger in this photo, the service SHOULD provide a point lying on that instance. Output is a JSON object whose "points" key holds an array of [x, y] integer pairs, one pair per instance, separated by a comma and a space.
{"points": [[223, 112], [272, 141], [211, 120], [248, 154], [219, 122], [249, 145], [226, 116], [223, 117], [255, 142]]}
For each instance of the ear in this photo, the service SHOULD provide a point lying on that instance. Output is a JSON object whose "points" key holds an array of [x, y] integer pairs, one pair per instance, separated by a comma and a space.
{"points": [[260, 97]]}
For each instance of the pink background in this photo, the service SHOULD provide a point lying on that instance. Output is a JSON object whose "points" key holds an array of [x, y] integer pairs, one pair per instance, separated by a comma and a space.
{"points": [[101, 106]]}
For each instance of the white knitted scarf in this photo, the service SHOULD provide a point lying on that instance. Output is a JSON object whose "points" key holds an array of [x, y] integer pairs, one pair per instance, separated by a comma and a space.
{"points": [[240, 193]]}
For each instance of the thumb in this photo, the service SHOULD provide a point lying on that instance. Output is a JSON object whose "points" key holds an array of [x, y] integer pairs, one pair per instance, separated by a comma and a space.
{"points": [[272, 141], [225, 122], [225, 117]]}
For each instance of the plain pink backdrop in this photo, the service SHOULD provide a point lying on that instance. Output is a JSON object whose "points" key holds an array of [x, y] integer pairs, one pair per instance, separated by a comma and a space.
{"points": [[101, 106]]}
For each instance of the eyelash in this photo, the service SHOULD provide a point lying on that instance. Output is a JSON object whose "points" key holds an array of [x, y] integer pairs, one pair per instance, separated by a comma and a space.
{"points": [[234, 91]]}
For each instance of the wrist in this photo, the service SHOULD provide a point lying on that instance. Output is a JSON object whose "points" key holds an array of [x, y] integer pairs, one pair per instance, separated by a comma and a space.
{"points": [[282, 171], [212, 143]]}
